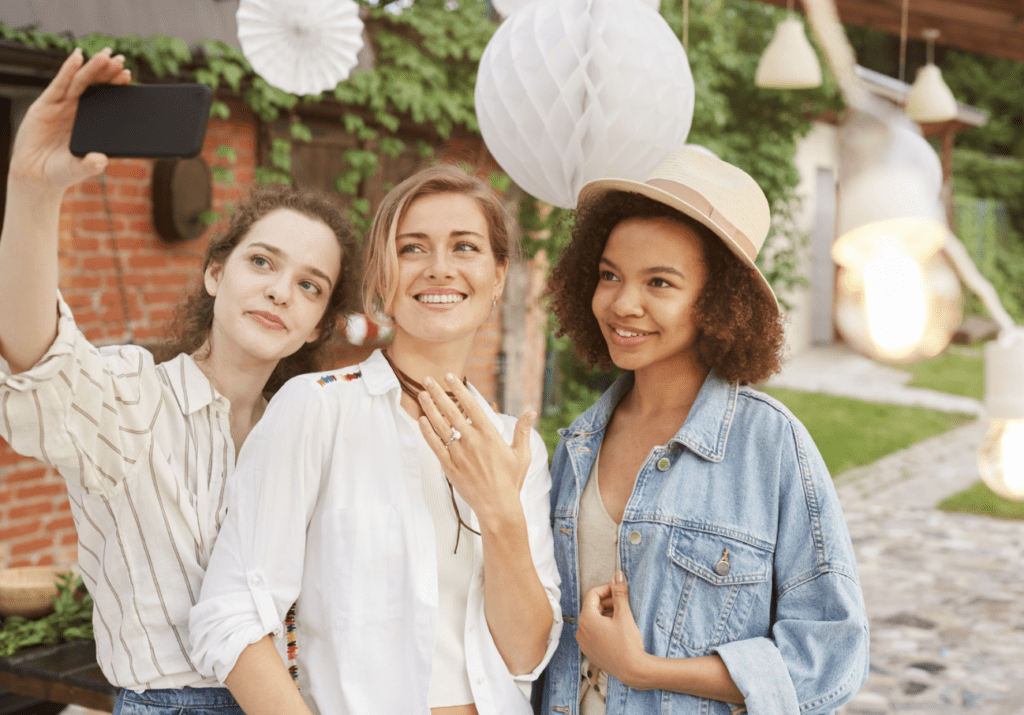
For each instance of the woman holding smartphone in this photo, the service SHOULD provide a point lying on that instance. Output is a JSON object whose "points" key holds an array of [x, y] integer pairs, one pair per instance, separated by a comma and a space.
{"points": [[147, 449], [412, 527], [705, 563]]}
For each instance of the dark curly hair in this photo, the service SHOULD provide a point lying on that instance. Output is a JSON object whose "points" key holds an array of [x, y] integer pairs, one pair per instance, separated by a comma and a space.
{"points": [[194, 318], [739, 328]]}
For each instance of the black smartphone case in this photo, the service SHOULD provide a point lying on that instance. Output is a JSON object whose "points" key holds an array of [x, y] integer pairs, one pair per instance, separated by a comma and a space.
{"points": [[142, 120]]}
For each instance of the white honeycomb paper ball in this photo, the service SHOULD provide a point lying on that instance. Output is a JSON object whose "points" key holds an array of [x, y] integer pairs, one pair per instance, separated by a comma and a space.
{"points": [[570, 91], [506, 8]]}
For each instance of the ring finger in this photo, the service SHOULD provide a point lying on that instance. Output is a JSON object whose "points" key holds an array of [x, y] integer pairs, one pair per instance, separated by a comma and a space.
{"points": [[442, 427], [443, 405]]}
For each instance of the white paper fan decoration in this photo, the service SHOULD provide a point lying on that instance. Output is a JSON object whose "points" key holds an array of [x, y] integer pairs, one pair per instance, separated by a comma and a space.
{"points": [[300, 46], [574, 90]]}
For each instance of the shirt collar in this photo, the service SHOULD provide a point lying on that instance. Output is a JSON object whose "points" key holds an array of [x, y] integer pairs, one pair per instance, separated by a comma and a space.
{"points": [[705, 431], [190, 386], [380, 379], [378, 375]]}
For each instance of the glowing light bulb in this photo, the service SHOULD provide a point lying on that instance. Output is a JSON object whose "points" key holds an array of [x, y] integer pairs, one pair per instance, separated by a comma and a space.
{"points": [[1001, 458], [1001, 455], [894, 306], [894, 297]]}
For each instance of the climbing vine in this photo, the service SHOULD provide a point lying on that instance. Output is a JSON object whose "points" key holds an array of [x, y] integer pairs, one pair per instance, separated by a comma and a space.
{"points": [[425, 60]]}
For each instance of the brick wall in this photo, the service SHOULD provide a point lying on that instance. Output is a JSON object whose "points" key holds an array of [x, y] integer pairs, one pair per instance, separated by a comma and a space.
{"points": [[36, 527]]}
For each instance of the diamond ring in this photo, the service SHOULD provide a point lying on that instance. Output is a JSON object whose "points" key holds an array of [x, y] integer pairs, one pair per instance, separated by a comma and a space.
{"points": [[455, 435]]}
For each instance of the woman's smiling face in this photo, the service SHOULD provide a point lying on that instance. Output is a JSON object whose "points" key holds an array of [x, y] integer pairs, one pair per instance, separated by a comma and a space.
{"points": [[651, 274], [448, 275]]}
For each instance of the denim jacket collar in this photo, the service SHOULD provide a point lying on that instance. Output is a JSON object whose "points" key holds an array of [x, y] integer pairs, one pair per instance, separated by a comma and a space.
{"points": [[704, 433]]}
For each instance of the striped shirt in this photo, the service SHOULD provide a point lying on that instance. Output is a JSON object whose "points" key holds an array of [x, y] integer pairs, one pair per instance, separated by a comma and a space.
{"points": [[146, 451]]}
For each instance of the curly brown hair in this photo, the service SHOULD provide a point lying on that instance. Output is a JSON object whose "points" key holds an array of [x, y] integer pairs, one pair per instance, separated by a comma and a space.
{"points": [[194, 318], [739, 328]]}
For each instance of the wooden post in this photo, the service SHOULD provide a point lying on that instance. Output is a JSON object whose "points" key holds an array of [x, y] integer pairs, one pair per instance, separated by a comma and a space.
{"points": [[513, 313], [947, 171]]}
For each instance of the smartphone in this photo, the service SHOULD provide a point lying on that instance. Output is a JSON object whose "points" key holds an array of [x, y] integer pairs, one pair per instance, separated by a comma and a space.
{"points": [[153, 121]]}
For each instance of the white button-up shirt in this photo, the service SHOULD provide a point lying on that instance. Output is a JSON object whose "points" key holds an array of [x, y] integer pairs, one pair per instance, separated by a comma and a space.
{"points": [[327, 507], [146, 451]]}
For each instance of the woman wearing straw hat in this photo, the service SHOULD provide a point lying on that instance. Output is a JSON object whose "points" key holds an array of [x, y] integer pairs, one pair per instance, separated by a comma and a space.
{"points": [[705, 563]]}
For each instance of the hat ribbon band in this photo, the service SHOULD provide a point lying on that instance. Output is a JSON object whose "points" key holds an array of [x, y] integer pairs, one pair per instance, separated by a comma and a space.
{"points": [[697, 201]]}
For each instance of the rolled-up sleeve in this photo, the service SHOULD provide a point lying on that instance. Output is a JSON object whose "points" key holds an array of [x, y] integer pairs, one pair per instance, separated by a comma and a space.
{"points": [[255, 572], [817, 657], [89, 412], [817, 654], [536, 500]]}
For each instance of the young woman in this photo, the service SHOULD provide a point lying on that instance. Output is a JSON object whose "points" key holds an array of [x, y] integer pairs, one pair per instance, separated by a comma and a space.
{"points": [[707, 497], [413, 528], [146, 449]]}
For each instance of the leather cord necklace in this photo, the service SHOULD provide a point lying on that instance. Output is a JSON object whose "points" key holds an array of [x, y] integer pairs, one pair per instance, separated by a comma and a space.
{"points": [[413, 390]]}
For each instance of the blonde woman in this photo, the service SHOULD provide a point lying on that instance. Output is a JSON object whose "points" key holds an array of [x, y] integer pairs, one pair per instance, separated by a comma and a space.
{"points": [[412, 527]]}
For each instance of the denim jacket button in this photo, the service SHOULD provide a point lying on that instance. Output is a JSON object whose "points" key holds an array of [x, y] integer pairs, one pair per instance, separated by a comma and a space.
{"points": [[635, 537], [664, 463]]}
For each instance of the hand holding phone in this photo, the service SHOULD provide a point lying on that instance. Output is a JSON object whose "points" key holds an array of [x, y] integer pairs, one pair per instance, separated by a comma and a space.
{"points": [[149, 121], [40, 158]]}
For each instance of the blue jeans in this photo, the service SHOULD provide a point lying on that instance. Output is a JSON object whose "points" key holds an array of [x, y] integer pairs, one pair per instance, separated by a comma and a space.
{"points": [[177, 701]]}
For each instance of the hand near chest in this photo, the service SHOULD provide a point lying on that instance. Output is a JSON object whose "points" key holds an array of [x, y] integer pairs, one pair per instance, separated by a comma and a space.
{"points": [[487, 471], [608, 635]]}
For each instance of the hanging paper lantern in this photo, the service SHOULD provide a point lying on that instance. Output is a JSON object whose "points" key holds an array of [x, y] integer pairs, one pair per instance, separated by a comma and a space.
{"points": [[300, 46], [574, 90]]}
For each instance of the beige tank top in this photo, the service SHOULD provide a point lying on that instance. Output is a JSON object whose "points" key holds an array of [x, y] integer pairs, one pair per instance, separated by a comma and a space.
{"points": [[598, 536], [449, 680]]}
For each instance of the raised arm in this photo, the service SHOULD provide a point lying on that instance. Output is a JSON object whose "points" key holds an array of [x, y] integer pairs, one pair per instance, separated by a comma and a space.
{"points": [[42, 168]]}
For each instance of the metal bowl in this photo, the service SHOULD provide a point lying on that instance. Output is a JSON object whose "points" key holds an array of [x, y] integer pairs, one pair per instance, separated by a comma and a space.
{"points": [[28, 591]]}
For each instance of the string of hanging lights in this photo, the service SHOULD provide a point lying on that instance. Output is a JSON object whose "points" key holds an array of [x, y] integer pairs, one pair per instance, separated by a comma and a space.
{"points": [[872, 136]]}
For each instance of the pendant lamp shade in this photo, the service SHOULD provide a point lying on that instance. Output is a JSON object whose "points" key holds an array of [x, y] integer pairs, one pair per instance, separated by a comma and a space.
{"points": [[569, 91], [930, 99], [300, 46], [789, 61]]}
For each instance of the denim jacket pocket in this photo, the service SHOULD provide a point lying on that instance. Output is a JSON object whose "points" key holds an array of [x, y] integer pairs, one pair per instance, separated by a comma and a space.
{"points": [[718, 579]]}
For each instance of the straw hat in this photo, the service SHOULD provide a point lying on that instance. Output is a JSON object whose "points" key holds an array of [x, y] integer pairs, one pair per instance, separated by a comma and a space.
{"points": [[719, 195]]}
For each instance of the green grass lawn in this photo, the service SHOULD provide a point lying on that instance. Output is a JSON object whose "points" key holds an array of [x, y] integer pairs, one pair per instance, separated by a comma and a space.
{"points": [[979, 499], [850, 433], [959, 371]]}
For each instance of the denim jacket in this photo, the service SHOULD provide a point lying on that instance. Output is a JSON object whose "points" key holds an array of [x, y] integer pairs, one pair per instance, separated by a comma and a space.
{"points": [[733, 542]]}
